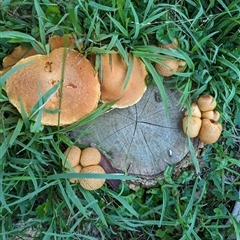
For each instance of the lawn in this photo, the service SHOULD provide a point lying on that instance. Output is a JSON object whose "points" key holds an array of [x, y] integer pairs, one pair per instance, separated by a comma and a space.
{"points": [[193, 201]]}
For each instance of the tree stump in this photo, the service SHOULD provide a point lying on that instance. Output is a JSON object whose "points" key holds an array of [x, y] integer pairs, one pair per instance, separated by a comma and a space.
{"points": [[141, 140]]}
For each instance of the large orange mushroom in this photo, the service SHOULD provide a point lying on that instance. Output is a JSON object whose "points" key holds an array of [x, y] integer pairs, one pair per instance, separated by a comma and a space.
{"points": [[78, 93], [113, 72]]}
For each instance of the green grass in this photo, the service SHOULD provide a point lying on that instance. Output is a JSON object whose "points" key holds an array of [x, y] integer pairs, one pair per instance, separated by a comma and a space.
{"points": [[193, 205]]}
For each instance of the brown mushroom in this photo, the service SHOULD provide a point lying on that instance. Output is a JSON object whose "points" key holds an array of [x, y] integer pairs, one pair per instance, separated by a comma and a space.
{"points": [[72, 155], [77, 97], [113, 72], [210, 131], [169, 67], [76, 169], [212, 115], [92, 183], [173, 44], [90, 156], [181, 66], [191, 126], [206, 103], [194, 111]]}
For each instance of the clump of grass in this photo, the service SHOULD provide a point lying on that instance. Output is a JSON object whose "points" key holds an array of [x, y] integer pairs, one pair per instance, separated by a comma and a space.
{"points": [[190, 206]]}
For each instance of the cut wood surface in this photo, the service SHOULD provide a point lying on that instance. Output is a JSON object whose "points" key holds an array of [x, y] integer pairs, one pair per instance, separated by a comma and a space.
{"points": [[141, 140]]}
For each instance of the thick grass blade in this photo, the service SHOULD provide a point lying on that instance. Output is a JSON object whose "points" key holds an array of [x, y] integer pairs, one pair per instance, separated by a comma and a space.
{"points": [[158, 81], [119, 26], [41, 17], [17, 36], [94, 205], [43, 99], [136, 23], [129, 71], [165, 193], [31, 194], [70, 195], [16, 132], [193, 157], [125, 204], [102, 7], [119, 176]]}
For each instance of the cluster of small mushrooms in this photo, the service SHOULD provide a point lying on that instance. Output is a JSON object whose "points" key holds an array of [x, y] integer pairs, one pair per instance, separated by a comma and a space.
{"points": [[89, 160], [84, 161], [202, 120]]}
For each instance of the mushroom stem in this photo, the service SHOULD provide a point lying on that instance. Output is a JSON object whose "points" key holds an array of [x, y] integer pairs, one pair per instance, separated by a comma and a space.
{"points": [[107, 166]]}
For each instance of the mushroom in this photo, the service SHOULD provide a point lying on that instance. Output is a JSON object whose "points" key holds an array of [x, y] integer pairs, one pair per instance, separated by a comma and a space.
{"points": [[17, 54], [113, 72], [194, 111], [67, 40], [210, 131], [76, 96], [191, 126], [169, 67], [108, 168], [90, 156], [212, 115], [72, 155], [92, 183], [173, 44], [76, 169], [206, 103]]}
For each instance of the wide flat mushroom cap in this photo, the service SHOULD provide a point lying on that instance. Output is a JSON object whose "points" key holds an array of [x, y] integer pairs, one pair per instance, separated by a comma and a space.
{"points": [[80, 92], [114, 70]]}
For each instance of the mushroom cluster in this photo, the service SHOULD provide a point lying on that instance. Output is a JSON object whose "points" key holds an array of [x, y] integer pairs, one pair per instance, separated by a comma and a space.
{"points": [[171, 65], [84, 161], [202, 120], [64, 85]]}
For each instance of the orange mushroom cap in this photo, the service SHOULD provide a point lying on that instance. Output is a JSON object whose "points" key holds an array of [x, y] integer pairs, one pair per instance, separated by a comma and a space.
{"points": [[76, 169], [206, 103], [78, 96], [169, 67], [90, 156], [92, 183], [72, 155], [17, 54], [113, 72], [210, 131], [66, 40], [174, 44], [194, 111], [212, 115], [191, 126]]}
